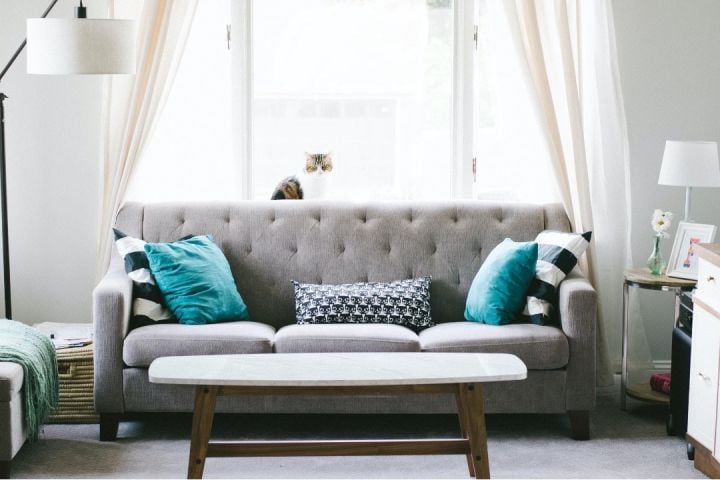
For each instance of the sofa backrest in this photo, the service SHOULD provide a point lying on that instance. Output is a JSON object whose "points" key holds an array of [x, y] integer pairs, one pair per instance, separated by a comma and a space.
{"points": [[270, 243]]}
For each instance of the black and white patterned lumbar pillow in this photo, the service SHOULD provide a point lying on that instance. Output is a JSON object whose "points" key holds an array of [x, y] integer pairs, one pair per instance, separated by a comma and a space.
{"points": [[558, 253], [148, 306], [403, 302]]}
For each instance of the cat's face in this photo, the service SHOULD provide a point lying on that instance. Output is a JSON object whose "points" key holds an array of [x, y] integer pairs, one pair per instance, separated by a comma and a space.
{"points": [[318, 163]]}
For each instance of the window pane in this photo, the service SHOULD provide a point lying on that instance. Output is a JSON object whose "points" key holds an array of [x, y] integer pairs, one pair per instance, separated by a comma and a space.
{"points": [[513, 160], [369, 80], [190, 154]]}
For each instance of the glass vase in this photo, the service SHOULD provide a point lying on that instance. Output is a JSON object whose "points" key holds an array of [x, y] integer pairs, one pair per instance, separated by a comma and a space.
{"points": [[655, 262]]}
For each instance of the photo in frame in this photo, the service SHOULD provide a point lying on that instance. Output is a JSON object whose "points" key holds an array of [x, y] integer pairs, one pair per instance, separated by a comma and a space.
{"points": [[683, 259]]}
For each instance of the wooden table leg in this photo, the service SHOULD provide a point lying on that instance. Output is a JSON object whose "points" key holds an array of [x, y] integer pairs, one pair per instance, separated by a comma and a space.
{"points": [[464, 425], [202, 425], [471, 400]]}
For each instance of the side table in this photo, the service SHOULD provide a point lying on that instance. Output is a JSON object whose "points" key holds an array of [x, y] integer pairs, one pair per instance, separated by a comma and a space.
{"points": [[642, 278]]}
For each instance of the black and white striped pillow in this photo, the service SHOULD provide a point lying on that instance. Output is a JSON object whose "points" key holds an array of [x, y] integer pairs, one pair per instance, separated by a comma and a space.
{"points": [[148, 306], [558, 253]]}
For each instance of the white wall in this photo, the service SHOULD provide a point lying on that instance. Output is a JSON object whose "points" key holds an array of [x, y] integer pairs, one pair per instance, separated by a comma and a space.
{"points": [[53, 145], [670, 70]]}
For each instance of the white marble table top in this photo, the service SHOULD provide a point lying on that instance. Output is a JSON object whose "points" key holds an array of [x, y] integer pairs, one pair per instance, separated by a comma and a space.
{"points": [[337, 369]]}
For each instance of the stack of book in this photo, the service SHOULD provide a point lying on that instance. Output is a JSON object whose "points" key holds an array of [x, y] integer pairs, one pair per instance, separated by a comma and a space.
{"points": [[67, 335]]}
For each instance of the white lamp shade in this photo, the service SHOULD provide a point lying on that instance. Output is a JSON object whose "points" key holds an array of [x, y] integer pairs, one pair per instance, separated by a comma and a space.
{"points": [[690, 164], [65, 46]]}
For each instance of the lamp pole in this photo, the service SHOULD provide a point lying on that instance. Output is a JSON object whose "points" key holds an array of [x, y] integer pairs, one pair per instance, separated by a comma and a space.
{"points": [[3, 212], [3, 178]]}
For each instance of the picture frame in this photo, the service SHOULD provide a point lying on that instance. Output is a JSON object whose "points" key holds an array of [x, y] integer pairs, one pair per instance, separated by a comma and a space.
{"points": [[683, 261]]}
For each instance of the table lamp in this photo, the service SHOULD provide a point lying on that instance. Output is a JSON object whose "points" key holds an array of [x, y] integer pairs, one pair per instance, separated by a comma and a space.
{"points": [[690, 164], [64, 46]]}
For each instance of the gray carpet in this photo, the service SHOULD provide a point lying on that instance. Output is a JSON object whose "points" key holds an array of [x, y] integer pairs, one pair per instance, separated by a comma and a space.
{"points": [[629, 444]]}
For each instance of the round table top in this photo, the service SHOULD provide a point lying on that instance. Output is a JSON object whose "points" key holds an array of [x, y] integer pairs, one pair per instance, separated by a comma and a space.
{"points": [[642, 276]]}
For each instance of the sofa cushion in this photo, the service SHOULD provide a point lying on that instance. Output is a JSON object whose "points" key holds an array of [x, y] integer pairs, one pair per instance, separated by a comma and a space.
{"points": [[148, 305], [540, 347], [402, 302], [558, 253], [196, 281], [497, 292], [11, 380], [145, 344], [346, 338]]}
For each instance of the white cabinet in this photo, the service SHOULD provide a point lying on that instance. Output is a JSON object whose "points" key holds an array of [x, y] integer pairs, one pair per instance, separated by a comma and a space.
{"points": [[704, 401], [702, 410], [709, 283]]}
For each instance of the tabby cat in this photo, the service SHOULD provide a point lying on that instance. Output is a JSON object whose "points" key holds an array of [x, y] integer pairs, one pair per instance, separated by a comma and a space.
{"points": [[310, 183]]}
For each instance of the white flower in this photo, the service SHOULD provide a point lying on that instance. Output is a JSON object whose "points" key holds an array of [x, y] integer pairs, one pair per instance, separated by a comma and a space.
{"points": [[661, 222]]}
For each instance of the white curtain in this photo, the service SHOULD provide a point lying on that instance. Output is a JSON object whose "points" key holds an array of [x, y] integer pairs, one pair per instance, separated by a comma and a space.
{"points": [[132, 104], [568, 50]]}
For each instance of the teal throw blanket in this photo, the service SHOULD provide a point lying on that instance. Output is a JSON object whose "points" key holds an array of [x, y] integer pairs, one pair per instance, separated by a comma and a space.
{"points": [[36, 354]]}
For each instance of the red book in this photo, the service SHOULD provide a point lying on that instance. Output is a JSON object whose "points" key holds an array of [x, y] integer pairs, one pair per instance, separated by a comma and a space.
{"points": [[660, 382]]}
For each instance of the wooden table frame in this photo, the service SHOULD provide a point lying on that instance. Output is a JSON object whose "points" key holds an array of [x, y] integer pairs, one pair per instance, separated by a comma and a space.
{"points": [[469, 399]]}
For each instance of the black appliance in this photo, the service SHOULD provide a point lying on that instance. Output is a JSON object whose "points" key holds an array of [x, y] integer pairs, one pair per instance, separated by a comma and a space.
{"points": [[680, 369]]}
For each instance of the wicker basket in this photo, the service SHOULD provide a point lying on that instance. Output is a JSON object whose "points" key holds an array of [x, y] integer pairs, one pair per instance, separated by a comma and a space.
{"points": [[75, 368]]}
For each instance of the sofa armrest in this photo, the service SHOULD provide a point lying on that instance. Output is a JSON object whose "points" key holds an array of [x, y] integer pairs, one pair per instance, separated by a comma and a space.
{"points": [[112, 301], [577, 304]]}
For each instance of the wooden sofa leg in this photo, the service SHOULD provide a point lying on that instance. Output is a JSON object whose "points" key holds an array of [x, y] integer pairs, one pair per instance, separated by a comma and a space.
{"points": [[580, 424], [4, 468], [109, 423]]}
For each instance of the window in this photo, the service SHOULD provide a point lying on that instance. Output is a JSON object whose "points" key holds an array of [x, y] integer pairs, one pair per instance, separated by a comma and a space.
{"points": [[370, 81], [512, 157], [190, 156], [395, 89]]}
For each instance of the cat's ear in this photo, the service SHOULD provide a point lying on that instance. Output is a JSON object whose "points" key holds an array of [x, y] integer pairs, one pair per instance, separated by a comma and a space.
{"points": [[308, 156], [329, 155]]}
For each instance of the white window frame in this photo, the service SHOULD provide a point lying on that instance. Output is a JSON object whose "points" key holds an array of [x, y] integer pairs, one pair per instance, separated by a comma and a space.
{"points": [[462, 94]]}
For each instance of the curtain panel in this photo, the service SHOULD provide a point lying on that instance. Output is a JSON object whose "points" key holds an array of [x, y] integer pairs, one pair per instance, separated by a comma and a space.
{"points": [[568, 49], [131, 104]]}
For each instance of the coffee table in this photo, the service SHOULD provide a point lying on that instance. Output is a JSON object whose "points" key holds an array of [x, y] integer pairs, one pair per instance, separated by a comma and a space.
{"points": [[460, 374]]}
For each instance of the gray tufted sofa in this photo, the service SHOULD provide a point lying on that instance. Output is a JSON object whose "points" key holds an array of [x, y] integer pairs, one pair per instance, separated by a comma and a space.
{"points": [[270, 243]]}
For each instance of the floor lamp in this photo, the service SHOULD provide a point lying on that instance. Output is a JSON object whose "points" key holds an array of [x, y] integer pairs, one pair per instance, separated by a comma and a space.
{"points": [[64, 46]]}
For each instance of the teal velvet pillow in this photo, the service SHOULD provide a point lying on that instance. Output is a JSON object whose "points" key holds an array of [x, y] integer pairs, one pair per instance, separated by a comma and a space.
{"points": [[195, 280], [497, 293]]}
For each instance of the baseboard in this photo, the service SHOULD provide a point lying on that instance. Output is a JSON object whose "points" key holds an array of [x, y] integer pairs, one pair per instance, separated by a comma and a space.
{"points": [[657, 366], [662, 365]]}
